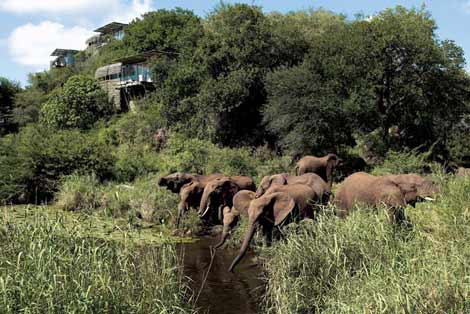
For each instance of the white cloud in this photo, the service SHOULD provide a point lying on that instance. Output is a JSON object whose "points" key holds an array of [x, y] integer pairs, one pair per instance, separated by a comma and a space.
{"points": [[127, 12], [32, 44], [466, 6], [118, 10], [53, 6]]}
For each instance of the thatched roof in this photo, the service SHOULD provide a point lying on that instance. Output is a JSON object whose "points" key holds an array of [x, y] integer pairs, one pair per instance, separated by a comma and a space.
{"points": [[110, 69]]}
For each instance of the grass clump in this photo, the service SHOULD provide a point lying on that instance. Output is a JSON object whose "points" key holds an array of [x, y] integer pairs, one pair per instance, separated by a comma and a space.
{"points": [[46, 267], [362, 264], [79, 192]]}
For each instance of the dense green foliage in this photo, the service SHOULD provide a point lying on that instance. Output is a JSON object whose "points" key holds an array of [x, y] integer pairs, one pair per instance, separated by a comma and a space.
{"points": [[8, 90], [386, 73], [78, 104], [28, 101], [38, 157], [171, 31], [48, 265]]}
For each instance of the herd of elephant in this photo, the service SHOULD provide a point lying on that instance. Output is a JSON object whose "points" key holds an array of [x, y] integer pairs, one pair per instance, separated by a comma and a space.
{"points": [[283, 198]]}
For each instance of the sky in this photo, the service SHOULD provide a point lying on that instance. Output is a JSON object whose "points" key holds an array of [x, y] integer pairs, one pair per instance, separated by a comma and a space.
{"points": [[31, 29]]}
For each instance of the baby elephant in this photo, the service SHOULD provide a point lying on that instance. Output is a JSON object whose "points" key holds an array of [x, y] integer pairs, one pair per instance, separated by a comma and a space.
{"points": [[241, 202], [311, 179], [282, 206], [323, 166]]}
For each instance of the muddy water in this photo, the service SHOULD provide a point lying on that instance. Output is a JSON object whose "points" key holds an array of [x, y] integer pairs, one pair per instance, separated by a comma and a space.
{"points": [[223, 292]]}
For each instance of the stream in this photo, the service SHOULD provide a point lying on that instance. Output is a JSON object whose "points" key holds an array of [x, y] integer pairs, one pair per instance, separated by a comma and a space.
{"points": [[223, 292]]}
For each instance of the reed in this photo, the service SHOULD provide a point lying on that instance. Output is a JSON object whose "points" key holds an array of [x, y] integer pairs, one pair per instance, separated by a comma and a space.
{"points": [[48, 266]]}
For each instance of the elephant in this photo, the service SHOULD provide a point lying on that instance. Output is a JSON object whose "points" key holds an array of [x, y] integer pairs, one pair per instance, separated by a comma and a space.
{"points": [[275, 208], [462, 172], [175, 181], [395, 191], [241, 202], [219, 193], [311, 179], [190, 187], [323, 166]]}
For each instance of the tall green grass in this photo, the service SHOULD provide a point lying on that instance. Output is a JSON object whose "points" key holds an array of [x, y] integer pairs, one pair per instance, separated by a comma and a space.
{"points": [[46, 266], [362, 264]]}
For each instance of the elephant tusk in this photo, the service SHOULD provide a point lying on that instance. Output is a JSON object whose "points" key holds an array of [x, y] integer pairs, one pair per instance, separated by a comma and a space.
{"points": [[430, 199], [205, 212]]}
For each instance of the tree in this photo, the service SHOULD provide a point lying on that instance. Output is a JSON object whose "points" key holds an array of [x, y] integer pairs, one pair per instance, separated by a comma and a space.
{"points": [[8, 90], [78, 104], [388, 77], [171, 31]]}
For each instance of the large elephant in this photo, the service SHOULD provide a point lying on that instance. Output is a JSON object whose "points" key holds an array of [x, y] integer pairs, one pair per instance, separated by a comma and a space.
{"points": [[219, 193], [323, 166], [311, 179], [395, 191], [231, 215], [190, 187], [288, 203]]}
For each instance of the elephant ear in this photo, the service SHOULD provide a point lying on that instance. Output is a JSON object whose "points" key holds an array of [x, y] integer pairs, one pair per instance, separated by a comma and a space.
{"points": [[283, 205], [229, 189], [242, 200], [410, 192], [280, 179]]}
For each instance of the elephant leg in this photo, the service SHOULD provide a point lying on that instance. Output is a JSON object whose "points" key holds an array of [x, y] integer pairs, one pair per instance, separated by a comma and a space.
{"points": [[182, 208], [268, 233]]}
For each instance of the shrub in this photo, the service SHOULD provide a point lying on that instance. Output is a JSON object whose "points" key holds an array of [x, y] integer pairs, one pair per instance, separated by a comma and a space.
{"points": [[134, 161], [133, 128], [48, 155], [458, 144], [14, 170], [78, 104], [201, 156], [405, 162]]}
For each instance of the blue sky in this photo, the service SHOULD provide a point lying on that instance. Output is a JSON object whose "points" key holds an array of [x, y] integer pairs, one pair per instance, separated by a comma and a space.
{"points": [[31, 29]]}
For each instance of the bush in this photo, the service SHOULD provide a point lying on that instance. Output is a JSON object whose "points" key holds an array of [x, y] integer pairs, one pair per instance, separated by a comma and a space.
{"points": [[78, 104], [201, 156], [134, 161], [142, 199], [46, 267], [40, 157], [458, 144], [364, 264], [78, 193], [133, 128], [406, 162]]}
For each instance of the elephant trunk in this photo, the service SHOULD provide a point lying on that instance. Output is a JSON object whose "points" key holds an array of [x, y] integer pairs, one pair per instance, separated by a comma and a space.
{"points": [[204, 205], [223, 237], [246, 242]]}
